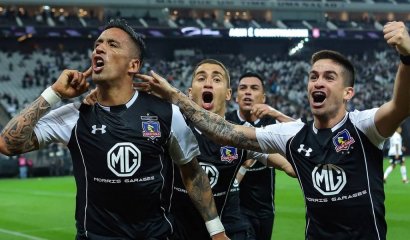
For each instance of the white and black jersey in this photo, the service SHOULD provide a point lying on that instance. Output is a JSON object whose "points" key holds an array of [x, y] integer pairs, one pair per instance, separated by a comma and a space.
{"points": [[257, 188], [220, 163], [121, 159], [395, 148], [340, 171], [395, 145]]}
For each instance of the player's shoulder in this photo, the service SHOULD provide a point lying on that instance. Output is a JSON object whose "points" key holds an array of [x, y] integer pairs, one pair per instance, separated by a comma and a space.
{"points": [[287, 128], [232, 116], [357, 116]]}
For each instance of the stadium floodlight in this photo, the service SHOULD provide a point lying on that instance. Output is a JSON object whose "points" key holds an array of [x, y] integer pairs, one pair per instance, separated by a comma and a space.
{"points": [[298, 47]]}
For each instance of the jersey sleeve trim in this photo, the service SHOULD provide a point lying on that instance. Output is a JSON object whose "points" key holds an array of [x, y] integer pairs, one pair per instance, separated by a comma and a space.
{"points": [[56, 126], [182, 144]]}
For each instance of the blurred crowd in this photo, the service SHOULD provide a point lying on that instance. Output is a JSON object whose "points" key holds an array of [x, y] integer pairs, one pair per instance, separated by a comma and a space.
{"points": [[285, 78]]}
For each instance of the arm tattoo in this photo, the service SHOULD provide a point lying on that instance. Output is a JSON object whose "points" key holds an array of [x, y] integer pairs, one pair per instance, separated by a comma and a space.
{"points": [[214, 126], [18, 133], [199, 190]]}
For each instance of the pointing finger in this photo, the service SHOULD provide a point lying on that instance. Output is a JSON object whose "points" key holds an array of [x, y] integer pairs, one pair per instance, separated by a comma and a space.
{"points": [[88, 72]]}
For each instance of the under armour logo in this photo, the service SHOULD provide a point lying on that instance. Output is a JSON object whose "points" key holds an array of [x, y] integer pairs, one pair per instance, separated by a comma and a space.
{"points": [[307, 151], [95, 129]]}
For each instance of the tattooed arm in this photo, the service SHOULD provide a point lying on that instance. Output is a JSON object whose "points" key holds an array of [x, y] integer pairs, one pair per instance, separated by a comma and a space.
{"points": [[213, 125], [18, 135], [199, 190]]}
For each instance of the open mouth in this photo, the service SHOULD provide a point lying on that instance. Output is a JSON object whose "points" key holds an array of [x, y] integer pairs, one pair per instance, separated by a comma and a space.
{"points": [[207, 98], [248, 101], [98, 64], [318, 97]]}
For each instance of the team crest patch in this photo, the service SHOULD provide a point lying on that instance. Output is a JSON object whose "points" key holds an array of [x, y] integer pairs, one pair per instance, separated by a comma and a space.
{"points": [[342, 140], [229, 154], [151, 129]]}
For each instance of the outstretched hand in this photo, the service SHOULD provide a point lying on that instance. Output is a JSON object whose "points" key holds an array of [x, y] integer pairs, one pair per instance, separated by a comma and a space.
{"points": [[72, 83], [156, 85], [396, 35]]}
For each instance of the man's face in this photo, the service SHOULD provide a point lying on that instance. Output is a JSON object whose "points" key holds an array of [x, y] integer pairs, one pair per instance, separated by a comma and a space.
{"points": [[113, 56], [250, 92], [210, 88], [327, 92]]}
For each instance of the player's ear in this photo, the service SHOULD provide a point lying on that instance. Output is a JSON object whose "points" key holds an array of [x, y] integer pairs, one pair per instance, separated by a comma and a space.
{"points": [[228, 94], [190, 93], [134, 66], [348, 93]]}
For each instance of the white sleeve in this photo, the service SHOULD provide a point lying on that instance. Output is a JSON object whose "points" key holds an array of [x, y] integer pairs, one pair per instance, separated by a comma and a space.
{"points": [[56, 126], [182, 144], [273, 138], [261, 157], [364, 121]]}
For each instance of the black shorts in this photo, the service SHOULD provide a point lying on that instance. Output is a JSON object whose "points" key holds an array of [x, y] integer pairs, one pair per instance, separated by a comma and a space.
{"points": [[394, 160]]}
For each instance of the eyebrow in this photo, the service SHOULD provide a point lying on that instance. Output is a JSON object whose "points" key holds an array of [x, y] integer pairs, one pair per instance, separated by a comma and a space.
{"points": [[326, 72], [108, 40], [213, 73]]}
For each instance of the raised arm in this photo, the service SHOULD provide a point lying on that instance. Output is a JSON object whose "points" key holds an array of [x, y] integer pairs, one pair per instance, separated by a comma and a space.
{"points": [[18, 135], [392, 113], [213, 125], [199, 190]]}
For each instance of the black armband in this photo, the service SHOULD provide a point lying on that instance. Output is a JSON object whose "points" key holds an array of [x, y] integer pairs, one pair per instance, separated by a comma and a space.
{"points": [[405, 59]]}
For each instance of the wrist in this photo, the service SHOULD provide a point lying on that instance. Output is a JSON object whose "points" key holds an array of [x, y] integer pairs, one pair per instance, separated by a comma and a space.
{"points": [[214, 226], [175, 95], [405, 59], [51, 96], [242, 170]]}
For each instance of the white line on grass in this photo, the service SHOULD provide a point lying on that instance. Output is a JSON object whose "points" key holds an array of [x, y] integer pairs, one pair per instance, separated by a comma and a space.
{"points": [[20, 234]]}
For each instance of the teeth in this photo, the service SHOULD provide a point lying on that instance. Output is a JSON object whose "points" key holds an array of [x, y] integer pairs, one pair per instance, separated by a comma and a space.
{"points": [[99, 63]]}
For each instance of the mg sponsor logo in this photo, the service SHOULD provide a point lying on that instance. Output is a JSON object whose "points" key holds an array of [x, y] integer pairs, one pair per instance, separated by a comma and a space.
{"points": [[124, 159], [211, 171], [328, 179]]}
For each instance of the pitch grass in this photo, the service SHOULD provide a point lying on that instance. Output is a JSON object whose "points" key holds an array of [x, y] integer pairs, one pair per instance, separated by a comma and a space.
{"points": [[43, 208]]}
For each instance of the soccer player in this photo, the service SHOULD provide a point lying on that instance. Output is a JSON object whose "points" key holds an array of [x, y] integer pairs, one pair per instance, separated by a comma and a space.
{"points": [[121, 147], [257, 187], [338, 155], [396, 156], [210, 88]]}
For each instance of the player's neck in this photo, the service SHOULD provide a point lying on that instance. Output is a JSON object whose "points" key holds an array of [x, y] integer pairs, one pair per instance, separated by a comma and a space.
{"points": [[326, 121], [115, 95], [247, 116]]}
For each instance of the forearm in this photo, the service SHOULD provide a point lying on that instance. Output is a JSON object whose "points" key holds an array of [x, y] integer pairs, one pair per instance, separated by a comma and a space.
{"points": [[214, 126], [284, 118], [391, 114], [18, 135], [401, 92], [279, 162], [199, 190]]}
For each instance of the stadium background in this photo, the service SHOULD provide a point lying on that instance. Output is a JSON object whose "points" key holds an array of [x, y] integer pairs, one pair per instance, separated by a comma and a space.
{"points": [[272, 37]]}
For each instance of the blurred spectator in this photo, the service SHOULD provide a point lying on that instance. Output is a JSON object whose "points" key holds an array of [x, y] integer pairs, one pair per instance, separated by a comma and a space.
{"points": [[23, 167]]}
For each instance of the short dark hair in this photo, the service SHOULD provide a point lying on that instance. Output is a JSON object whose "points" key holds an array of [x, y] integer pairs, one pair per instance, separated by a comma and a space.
{"points": [[216, 62], [253, 74], [340, 59], [136, 37]]}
